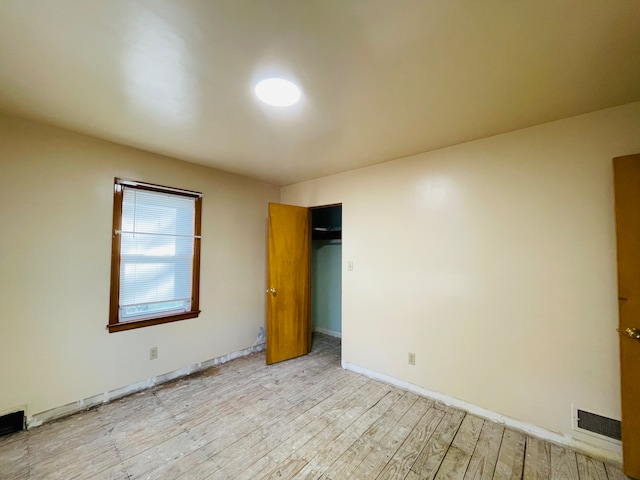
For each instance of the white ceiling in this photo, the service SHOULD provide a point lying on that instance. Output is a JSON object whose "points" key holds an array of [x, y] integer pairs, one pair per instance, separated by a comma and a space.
{"points": [[381, 79]]}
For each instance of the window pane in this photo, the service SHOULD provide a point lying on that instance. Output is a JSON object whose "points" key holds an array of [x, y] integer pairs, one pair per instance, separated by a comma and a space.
{"points": [[155, 246], [160, 213], [156, 252], [154, 281]]}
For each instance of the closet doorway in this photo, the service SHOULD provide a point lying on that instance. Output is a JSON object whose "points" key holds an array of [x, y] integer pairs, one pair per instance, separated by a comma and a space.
{"points": [[326, 269]]}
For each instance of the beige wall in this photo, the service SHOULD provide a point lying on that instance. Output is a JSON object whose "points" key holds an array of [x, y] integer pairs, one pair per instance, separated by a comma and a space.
{"points": [[494, 261], [55, 247]]}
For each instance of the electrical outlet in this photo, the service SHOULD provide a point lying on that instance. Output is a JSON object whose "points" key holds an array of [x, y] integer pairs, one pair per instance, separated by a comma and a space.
{"points": [[153, 353], [412, 358]]}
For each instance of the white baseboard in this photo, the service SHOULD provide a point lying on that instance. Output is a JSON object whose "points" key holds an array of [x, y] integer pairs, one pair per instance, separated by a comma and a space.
{"points": [[327, 332], [595, 451], [86, 403]]}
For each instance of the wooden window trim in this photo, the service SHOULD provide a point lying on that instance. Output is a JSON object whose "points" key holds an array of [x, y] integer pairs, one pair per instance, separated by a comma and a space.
{"points": [[114, 324]]}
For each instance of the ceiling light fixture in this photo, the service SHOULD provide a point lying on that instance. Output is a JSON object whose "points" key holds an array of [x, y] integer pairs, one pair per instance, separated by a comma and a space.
{"points": [[277, 92]]}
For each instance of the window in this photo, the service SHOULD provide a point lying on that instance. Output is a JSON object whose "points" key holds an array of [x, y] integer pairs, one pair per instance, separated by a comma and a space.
{"points": [[155, 255]]}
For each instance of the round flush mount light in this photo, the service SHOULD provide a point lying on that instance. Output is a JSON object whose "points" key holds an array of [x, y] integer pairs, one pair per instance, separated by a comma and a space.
{"points": [[277, 92]]}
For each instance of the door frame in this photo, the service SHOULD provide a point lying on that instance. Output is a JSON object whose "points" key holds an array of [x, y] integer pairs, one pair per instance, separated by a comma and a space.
{"points": [[311, 209], [269, 287]]}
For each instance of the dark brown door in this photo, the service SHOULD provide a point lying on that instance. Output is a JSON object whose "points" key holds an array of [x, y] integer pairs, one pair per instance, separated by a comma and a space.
{"points": [[627, 202], [288, 282]]}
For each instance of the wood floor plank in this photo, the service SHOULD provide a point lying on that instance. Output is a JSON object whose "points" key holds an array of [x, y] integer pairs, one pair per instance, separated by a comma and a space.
{"points": [[304, 418], [218, 434], [346, 465], [117, 472], [564, 465], [483, 461], [97, 458], [64, 435], [537, 460], [384, 450], [222, 444], [306, 426], [14, 459], [274, 449], [365, 397], [156, 461], [510, 462], [400, 463], [614, 473], [212, 383], [232, 458], [288, 469], [590, 469], [320, 460], [429, 459], [191, 414], [219, 444], [455, 462]]}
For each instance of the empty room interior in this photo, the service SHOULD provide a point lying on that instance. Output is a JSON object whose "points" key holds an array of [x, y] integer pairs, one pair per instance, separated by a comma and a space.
{"points": [[405, 264]]}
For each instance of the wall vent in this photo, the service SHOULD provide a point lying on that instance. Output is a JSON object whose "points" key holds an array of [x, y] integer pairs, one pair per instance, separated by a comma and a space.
{"points": [[11, 422], [599, 424]]}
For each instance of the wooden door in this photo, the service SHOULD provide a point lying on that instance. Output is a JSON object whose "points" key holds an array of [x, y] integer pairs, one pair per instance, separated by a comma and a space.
{"points": [[288, 282], [627, 203]]}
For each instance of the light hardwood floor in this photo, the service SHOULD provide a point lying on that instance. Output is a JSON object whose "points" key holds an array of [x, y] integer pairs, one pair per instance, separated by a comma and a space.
{"points": [[305, 418]]}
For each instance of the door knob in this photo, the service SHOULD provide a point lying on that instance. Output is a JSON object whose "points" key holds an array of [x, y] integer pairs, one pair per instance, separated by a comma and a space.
{"points": [[633, 332], [271, 290]]}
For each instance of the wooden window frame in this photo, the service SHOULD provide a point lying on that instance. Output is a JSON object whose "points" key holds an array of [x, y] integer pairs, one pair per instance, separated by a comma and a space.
{"points": [[115, 325]]}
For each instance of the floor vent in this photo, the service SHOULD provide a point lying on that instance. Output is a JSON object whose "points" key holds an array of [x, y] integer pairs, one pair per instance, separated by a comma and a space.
{"points": [[598, 424], [12, 422]]}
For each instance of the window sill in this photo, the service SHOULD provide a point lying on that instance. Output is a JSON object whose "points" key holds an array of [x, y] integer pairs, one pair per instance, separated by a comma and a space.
{"points": [[147, 322]]}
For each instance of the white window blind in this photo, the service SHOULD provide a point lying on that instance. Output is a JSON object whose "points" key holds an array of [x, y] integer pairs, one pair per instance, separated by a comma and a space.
{"points": [[156, 253]]}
